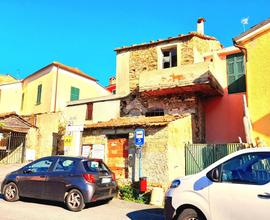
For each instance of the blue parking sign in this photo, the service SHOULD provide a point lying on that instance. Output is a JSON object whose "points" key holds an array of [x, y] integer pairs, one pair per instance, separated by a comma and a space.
{"points": [[139, 137]]}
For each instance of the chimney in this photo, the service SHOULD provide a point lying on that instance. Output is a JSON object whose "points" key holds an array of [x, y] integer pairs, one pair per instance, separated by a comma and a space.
{"points": [[200, 25]]}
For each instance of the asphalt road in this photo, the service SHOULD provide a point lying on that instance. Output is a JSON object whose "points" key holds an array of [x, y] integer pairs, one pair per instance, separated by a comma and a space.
{"points": [[29, 209]]}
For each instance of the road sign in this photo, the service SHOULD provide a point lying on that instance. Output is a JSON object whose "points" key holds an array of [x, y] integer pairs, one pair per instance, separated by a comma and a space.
{"points": [[139, 137]]}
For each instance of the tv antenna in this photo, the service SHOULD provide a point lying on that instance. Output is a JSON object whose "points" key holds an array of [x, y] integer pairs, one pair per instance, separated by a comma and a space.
{"points": [[244, 21]]}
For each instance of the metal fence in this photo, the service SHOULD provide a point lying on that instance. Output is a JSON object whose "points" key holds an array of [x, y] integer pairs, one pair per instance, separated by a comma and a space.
{"points": [[199, 156], [12, 148]]}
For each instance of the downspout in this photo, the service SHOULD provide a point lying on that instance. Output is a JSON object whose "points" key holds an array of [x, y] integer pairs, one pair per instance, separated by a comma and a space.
{"points": [[56, 87], [242, 49], [246, 119]]}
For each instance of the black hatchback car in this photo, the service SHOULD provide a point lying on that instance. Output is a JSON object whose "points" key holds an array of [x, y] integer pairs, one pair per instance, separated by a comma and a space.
{"points": [[72, 180]]}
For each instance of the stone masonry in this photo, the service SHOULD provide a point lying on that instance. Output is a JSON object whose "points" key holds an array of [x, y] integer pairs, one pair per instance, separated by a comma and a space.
{"points": [[143, 59], [146, 58], [138, 105]]}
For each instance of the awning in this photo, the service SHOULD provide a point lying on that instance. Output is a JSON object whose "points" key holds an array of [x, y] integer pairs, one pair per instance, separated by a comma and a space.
{"points": [[14, 123]]}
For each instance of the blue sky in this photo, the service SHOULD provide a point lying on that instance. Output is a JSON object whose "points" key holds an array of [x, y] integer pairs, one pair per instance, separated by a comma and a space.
{"points": [[84, 33]]}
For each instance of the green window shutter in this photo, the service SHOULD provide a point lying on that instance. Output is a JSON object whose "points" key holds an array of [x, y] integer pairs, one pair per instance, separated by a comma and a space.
{"points": [[39, 91], [236, 73], [74, 93]]}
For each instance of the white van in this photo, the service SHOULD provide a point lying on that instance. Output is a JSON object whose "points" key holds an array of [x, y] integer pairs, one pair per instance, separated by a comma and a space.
{"points": [[235, 187]]}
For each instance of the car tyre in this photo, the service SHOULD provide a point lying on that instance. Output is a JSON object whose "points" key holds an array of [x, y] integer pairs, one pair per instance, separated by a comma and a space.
{"points": [[74, 200], [189, 214], [11, 192]]}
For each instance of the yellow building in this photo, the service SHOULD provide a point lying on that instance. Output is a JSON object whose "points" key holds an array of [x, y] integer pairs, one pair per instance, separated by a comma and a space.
{"points": [[10, 94], [50, 88], [42, 97], [255, 44]]}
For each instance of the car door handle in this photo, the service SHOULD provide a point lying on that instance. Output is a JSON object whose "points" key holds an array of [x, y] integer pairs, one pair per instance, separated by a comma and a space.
{"points": [[42, 176], [264, 196]]}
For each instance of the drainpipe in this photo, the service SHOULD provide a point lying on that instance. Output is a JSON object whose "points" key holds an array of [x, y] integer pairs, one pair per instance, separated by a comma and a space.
{"points": [[246, 119], [243, 50], [56, 87]]}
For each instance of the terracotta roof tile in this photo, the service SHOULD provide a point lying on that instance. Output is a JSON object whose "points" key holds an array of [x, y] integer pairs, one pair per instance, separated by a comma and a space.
{"points": [[73, 69], [65, 67], [13, 122], [253, 28], [135, 121], [6, 79], [169, 39]]}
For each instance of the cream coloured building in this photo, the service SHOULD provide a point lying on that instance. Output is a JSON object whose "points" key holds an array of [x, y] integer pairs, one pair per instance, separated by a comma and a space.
{"points": [[10, 94], [50, 88], [41, 99]]}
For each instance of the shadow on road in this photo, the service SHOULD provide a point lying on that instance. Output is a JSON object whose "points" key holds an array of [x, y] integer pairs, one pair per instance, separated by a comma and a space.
{"points": [[43, 202], [54, 203], [147, 214]]}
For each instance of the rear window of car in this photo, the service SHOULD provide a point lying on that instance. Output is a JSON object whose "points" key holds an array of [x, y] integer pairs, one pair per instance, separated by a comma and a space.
{"points": [[95, 166], [65, 164]]}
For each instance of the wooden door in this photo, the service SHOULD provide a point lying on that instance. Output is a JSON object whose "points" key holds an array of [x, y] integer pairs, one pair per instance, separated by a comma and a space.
{"points": [[117, 156]]}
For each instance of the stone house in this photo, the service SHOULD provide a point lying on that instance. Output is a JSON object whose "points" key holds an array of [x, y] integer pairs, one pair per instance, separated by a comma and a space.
{"points": [[161, 86]]}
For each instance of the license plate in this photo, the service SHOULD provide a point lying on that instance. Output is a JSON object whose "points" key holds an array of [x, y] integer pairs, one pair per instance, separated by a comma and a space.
{"points": [[106, 180]]}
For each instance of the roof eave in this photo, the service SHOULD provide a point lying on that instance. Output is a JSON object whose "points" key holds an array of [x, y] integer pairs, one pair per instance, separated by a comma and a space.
{"points": [[62, 66], [170, 39], [253, 31]]}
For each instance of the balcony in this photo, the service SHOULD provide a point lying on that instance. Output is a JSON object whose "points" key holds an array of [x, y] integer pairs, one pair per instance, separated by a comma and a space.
{"points": [[194, 78]]}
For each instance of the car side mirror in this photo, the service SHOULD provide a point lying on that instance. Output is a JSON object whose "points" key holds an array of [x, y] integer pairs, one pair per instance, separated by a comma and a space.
{"points": [[28, 171], [215, 174]]}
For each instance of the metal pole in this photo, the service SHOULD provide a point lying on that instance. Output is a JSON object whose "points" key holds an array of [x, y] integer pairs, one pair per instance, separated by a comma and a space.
{"points": [[140, 162], [9, 143]]}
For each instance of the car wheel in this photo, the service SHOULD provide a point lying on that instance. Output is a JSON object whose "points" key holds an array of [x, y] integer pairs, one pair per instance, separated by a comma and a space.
{"points": [[74, 200], [189, 214], [11, 192]]}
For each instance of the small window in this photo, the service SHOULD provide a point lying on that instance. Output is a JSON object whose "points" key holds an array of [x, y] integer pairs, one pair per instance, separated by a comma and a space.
{"points": [[236, 73], [65, 165], [169, 58], [74, 93], [39, 91], [252, 168], [154, 112], [89, 112]]}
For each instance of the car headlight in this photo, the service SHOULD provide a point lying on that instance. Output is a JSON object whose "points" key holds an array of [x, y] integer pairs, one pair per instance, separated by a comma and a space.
{"points": [[175, 183]]}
